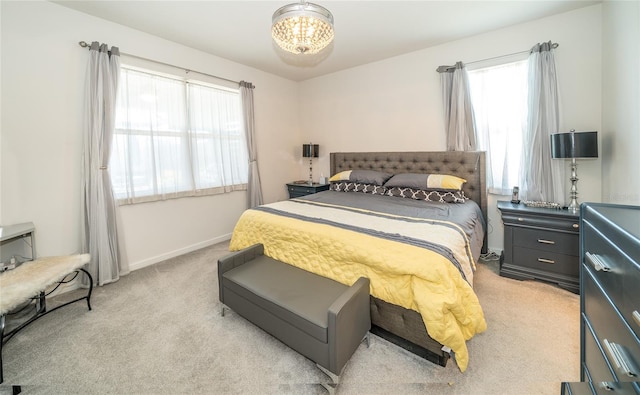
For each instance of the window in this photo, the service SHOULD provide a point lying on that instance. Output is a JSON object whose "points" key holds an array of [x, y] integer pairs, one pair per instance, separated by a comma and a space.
{"points": [[499, 99], [176, 138]]}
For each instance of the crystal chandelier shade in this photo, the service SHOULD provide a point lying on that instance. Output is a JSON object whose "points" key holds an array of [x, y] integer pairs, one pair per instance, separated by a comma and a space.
{"points": [[303, 28]]}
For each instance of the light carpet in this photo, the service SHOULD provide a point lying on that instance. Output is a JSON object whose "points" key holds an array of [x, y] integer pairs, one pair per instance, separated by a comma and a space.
{"points": [[159, 330]]}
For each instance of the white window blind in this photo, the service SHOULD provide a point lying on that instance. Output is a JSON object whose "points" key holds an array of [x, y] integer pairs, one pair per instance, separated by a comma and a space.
{"points": [[176, 138], [499, 98]]}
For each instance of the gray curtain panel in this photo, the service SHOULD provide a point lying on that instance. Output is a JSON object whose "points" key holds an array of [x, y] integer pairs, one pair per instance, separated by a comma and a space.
{"points": [[542, 177], [100, 234], [254, 188], [458, 113]]}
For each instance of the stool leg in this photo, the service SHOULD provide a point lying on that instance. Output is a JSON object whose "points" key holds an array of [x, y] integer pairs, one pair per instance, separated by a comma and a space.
{"points": [[1, 342]]}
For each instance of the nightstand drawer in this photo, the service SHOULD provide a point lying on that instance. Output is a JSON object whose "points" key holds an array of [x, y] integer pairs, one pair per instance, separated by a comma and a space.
{"points": [[299, 190], [620, 346], [542, 221], [558, 242], [546, 261], [615, 272]]}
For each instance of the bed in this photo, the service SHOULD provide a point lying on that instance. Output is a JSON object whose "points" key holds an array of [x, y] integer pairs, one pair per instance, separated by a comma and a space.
{"points": [[419, 255]]}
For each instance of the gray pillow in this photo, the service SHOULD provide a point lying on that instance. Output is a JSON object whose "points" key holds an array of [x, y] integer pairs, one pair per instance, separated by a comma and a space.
{"points": [[408, 180], [362, 177]]}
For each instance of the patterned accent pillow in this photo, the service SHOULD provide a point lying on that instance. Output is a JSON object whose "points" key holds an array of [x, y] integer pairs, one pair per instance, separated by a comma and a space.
{"points": [[433, 195], [345, 186]]}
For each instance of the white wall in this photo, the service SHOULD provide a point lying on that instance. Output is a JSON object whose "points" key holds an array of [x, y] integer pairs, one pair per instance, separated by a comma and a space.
{"points": [[621, 102], [388, 105], [395, 104], [43, 71]]}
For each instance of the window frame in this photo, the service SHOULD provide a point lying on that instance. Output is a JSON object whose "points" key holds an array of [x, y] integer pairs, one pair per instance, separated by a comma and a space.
{"points": [[187, 136], [494, 63]]}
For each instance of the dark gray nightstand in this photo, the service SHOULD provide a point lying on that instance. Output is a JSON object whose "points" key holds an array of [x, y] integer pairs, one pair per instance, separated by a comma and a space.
{"points": [[297, 190], [541, 244]]}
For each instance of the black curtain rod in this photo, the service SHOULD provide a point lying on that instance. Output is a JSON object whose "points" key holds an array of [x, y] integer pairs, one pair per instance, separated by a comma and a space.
{"points": [[443, 69], [187, 71]]}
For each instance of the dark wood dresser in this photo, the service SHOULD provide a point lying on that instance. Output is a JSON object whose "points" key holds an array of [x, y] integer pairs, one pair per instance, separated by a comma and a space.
{"points": [[609, 299], [540, 244]]}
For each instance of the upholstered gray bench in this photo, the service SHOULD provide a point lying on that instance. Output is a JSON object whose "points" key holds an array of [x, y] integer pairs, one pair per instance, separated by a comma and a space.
{"points": [[321, 319]]}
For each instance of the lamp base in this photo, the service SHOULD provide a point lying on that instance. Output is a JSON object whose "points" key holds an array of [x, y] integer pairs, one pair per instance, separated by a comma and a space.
{"points": [[574, 206]]}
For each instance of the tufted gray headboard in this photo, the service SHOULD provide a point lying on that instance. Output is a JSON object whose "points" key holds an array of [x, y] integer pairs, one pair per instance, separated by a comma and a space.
{"points": [[469, 165]]}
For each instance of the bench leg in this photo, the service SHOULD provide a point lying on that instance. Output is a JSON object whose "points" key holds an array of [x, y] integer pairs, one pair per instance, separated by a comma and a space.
{"points": [[90, 288], [335, 380]]}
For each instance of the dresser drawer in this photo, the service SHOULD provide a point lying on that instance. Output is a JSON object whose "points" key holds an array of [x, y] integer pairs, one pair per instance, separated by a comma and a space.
{"points": [[547, 261], [620, 345], [545, 240], [616, 273], [598, 368], [576, 389]]}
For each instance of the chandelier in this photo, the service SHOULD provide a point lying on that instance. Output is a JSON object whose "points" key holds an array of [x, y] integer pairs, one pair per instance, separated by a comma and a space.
{"points": [[302, 28]]}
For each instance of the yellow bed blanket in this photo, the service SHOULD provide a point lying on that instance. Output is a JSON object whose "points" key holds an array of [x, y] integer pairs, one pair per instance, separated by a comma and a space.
{"points": [[328, 241]]}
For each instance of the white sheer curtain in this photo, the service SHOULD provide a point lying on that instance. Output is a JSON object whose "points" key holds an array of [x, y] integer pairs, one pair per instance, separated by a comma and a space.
{"points": [[176, 138], [542, 177], [458, 111], [218, 143], [499, 96], [100, 235], [254, 188]]}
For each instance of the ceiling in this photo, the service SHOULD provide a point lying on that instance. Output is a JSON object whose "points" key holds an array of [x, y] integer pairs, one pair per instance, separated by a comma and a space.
{"points": [[366, 31]]}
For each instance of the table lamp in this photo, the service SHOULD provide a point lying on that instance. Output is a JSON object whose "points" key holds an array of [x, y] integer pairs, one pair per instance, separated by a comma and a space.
{"points": [[310, 151], [574, 145]]}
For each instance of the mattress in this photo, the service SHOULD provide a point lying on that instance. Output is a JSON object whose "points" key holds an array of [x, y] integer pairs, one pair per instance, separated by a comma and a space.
{"points": [[419, 255]]}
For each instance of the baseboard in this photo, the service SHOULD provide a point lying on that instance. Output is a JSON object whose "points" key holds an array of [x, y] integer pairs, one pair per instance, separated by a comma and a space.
{"points": [[172, 254]]}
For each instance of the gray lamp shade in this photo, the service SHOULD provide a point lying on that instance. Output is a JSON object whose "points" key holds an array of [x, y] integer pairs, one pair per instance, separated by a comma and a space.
{"points": [[310, 150], [574, 145]]}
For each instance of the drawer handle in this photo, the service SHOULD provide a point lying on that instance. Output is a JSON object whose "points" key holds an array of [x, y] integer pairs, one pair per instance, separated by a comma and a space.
{"points": [[607, 386], [615, 353], [520, 219], [543, 241], [636, 317], [546, 260], [597, 262], [575, 226]]}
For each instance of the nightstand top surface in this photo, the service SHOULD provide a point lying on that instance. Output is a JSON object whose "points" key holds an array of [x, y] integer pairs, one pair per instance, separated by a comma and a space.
{"points": [[306, 184], [506, 206]]}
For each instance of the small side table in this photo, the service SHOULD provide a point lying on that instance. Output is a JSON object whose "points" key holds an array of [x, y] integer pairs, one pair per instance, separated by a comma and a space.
{"points": [[541, 244], [10, 242], [298, 190]]}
